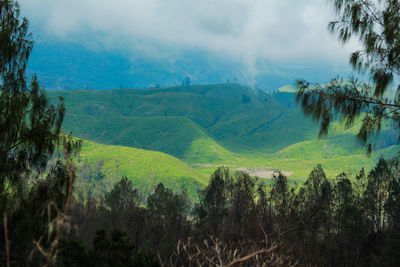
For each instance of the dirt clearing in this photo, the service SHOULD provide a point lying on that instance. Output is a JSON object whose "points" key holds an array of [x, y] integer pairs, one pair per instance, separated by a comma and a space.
{"points": [[262, 172]]}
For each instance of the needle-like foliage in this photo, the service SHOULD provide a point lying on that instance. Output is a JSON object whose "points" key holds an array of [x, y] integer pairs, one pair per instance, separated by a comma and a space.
{"points": [[30, 126], [376, 23]]}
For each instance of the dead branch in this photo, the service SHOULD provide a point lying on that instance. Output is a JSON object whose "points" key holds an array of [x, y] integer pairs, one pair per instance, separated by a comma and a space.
{"points": [[251, 255], [6, 239], [61, 219]]}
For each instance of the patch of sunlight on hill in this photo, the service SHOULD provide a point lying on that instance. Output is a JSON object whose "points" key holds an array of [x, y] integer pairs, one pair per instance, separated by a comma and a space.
{"points": [[206, 150], [334, 165], [336, 146], [144, 168], [176, 136]]}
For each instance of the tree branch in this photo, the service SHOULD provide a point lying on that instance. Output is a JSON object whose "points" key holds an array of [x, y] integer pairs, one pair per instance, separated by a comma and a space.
{"points": [[246, 258], [372, 13], [61, 219], [7, 245]]}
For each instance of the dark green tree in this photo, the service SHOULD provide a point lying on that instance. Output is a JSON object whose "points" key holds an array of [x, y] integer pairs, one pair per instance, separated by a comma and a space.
{"points": [[30, 130], [243, 211], [110, 248], [280, 196], [318, 200], [167, 218], [34, 217], [392, 208], [376, 195], [30, 126], [377, 25], [212, 209], [122, 196], [72, 253], [350, 226], [124, 211]]}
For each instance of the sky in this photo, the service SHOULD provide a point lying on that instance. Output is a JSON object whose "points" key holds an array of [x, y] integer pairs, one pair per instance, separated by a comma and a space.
{"points": [[285, 31]]}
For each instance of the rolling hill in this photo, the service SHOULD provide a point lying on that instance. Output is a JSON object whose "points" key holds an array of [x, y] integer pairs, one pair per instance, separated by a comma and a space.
{"points": [[177, 136], [222, 124], [143, 167], [236, 117]]}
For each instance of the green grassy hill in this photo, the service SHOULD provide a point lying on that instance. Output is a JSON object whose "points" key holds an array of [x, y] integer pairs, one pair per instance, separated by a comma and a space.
{"points": [[334, 165], [225, 124], [144, 168], [177, 136], [236, 117]]}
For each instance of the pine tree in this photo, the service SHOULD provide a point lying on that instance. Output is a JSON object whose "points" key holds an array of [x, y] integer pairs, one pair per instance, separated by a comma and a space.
{"points": [[377, 26], [29, 125]]}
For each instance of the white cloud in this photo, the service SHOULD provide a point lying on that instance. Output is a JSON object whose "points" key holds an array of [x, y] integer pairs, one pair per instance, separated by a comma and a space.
{"points": [[248, 30]]}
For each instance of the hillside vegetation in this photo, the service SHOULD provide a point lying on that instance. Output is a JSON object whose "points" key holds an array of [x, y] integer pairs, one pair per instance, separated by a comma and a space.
{"points": [[177, 136], [222, 124], [238, 118], [145, 169]]}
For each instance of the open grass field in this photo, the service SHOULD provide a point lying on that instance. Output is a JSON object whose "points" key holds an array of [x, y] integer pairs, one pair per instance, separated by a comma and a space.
{"points": [[144, 168]]}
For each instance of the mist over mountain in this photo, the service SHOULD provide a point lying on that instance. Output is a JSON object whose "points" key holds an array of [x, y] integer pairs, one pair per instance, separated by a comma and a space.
{"points": [[68, 65], [136, 44]]}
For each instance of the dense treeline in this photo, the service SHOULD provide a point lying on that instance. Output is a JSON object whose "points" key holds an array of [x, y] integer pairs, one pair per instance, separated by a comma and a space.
{"points": [[346, 221]]}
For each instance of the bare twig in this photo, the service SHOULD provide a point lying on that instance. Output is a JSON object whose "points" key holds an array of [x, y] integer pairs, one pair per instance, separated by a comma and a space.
{"points": [[62, 217], [218, 250], [233, 255], [251, 255], [160, 260], [6, 239], [39, 247]]}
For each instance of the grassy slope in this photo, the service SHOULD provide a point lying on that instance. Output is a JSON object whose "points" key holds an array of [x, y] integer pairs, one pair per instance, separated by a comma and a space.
{"points": [[177, 136], [269, 123], [192, 122], [145, 168], [350, 164], [338, 152]]}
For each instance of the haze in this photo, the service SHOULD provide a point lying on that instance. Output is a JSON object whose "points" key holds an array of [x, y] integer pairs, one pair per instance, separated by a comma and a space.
{"points": [[247, 30]]}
